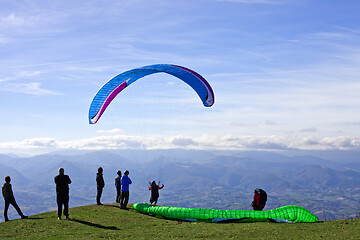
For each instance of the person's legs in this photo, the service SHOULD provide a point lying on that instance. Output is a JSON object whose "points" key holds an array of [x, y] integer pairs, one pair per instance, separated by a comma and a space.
{"points": [[66, 206], [59, 203], [17, 208], [122, 200], [98, 196], [118, 192], [126, 199], [7, 203]]}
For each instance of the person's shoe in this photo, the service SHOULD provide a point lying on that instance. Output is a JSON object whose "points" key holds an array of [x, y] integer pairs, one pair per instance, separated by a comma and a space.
{"points": [[67, 218], [59, 218], [99, 204], [24, 217], [6, 220]]}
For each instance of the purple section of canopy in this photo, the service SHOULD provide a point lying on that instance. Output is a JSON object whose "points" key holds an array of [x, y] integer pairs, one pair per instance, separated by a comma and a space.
{"points": [[108, 100], [199, 77]]}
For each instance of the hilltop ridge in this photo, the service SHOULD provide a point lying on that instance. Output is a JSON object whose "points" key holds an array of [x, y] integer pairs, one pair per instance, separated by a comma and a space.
{"points": [[108, 221]]}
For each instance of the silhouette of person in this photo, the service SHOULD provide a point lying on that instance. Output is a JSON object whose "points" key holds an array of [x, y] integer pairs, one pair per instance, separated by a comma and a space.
{"points": [[154, 192], [100, 184], [260, 198], [125, 181], [62, 182], [118, 186], [10, 199]]}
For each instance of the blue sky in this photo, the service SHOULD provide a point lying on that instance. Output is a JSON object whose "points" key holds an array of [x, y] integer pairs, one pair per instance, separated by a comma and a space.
{"points": [[286, 74]]}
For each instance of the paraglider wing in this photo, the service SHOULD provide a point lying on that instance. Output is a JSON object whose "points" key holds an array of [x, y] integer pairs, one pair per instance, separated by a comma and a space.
{"points": [[113, 87], [287, 213]]}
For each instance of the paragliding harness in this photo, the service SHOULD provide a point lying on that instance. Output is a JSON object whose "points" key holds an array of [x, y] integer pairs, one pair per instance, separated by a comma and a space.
{"points": [[263, 197], [154, 192]]}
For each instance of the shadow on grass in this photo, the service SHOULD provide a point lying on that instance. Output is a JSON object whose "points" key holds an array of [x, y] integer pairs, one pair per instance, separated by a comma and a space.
{"points": [[112, 206], [33, 218], [93, 224], [118, 207]]}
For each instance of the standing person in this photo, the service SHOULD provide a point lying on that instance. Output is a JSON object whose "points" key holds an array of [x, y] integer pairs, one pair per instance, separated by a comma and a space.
{"points": [[118, 186], [62, 182], [154, 192], [260, 198], [125, 181], [10, 199], [100, 184]]}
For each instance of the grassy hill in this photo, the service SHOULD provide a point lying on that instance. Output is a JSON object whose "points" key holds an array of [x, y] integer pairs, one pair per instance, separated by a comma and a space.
{"points": [[109, 222]]}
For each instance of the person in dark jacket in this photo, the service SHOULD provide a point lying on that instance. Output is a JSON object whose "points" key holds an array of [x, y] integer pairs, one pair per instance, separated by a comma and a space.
{"points": [[10, 199], [125, 193], [62, 182], [154, 188], [100, 184], [260, 198], [118, 186]]}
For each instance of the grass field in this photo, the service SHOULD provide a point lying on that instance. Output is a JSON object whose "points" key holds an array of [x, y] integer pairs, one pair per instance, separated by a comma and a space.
{"points": [[110, 222]]}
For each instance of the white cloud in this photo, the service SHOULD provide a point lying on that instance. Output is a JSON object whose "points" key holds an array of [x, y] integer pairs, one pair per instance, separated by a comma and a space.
{"points": [[32, 88], [182, 141], [31, 143], [342, 142], [19, 75], [13, 19], [5, 79], [23, 74], [204, 142]]}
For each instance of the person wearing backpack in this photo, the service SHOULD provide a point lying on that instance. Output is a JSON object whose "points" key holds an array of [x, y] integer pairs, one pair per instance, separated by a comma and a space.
{"points": [[260, 198]]}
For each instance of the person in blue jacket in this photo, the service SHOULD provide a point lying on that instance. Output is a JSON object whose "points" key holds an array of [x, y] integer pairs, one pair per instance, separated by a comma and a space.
{"points": [[125, 182]]}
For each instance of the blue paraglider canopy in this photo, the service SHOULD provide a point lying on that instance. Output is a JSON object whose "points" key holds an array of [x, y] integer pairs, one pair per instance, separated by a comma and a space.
{"points": [[113, 87]]}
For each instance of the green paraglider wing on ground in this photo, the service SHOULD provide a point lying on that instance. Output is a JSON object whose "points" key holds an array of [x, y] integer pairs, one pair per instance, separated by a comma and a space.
{"points": [[287, 213]]}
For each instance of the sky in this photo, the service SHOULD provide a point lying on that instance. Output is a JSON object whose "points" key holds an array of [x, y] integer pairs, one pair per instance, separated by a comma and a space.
{"points": [[285, 73]]}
